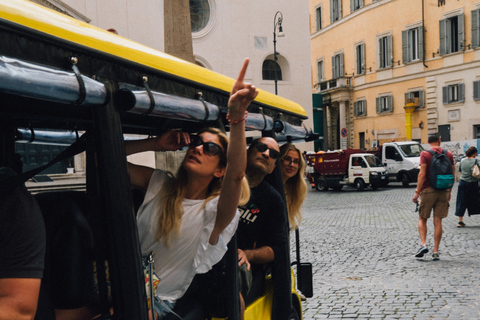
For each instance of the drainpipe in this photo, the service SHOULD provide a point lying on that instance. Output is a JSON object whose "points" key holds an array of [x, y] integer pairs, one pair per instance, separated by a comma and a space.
{"points": [[424, 38]]}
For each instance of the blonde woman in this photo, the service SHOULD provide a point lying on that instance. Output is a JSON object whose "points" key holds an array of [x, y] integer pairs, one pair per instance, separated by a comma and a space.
{"points": [[187, 219], [293, 174]]}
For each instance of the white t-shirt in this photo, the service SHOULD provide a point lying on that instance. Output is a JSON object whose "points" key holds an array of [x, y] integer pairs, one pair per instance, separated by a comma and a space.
{"points": [[188, 253]]}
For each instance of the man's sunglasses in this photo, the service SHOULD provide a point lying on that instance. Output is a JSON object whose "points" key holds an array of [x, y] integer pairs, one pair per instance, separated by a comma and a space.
{"points": [[209, 148], [262, 147]]}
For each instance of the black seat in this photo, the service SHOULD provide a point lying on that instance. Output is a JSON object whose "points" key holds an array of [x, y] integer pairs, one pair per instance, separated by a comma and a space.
{"points": [[68, 281]]}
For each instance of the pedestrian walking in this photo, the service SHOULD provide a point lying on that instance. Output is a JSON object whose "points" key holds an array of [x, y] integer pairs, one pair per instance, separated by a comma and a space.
{"points": [[467, 194], [433, 195]]}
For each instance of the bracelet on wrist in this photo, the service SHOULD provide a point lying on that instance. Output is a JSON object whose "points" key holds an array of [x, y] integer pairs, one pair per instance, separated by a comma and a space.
{"points": [[237, 121], [416, 191]]}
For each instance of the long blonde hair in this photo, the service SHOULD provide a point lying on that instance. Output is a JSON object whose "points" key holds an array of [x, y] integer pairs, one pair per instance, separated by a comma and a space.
{"points": [[295, 188], [172, 193]]}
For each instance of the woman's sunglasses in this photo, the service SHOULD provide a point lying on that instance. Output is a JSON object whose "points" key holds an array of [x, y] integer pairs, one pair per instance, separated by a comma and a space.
{"points": [[262, 147], [209, 148]]}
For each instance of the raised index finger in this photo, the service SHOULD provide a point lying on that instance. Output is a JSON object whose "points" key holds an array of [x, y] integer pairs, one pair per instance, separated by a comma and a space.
{"points": [[243, 71]]}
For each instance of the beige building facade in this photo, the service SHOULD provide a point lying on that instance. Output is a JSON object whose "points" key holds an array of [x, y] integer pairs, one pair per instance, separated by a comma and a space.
{"points": [[396, 69]]}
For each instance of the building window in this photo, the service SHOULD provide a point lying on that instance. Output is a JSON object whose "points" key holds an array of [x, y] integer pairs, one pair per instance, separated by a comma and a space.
{"points": [[384, 104], [385, 52], [360, 59], [476, 90], [452, 34], [318, 18], [335, 10], [360, 108], [476, 132], [269, 68], [412, 44], [199, 14], [355, 5], [320, 77], [417, 97], [454, 93], [337, 66], [475, 28]]}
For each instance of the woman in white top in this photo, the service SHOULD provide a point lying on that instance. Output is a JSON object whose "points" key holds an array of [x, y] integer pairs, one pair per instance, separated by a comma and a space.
{"points": [[467, 194], [187, 219]]}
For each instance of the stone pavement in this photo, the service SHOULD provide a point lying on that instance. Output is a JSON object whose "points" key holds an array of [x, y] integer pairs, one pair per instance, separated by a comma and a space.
{"points": [[361, 245]]}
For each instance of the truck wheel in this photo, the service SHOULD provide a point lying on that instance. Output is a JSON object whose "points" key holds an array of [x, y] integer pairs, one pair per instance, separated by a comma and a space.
{"points": [[359, 184], [405, 180], [321, 185]]}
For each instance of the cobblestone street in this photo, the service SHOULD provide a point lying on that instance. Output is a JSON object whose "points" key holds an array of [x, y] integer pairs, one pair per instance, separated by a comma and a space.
{"points": [[361, 245]]}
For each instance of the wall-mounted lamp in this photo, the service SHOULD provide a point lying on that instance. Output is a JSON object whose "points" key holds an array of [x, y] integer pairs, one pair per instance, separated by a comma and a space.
{"points": [[420, 125]]}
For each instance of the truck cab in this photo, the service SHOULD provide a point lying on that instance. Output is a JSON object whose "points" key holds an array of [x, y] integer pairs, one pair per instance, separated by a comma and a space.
{"points": [[402, 161], [365, 169]]}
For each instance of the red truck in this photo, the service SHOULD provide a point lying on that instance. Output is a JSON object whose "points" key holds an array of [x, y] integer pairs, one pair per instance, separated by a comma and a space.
{"points": [[334, 169]]}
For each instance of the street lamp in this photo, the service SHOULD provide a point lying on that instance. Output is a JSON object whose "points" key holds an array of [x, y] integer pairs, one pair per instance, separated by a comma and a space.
{"points": [[277, 23]]}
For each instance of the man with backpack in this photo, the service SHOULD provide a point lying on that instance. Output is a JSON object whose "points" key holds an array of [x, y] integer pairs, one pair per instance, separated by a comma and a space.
{"points": [[434, 187]]}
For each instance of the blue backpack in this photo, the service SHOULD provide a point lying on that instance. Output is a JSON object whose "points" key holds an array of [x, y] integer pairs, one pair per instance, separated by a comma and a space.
{"points": [[441, 171]]}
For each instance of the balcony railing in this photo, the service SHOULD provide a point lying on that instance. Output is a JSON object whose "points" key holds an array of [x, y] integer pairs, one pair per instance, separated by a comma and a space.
{"points": [[344, 82]]}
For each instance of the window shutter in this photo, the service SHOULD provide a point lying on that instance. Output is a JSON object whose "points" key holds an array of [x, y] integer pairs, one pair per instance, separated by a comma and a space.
{"points": [[421, 99], [380, 53], [445, 95], [339, 9], [461, 32], [420, 43], [408, 95], [332, 11], [362, 67], [443, 35], [389, 53], [360, 3], [476, 90], [364, 107], [390, 103], [461, 92], [334, 73], [355, 108], [405, 57], [475, 26], [352, 5], [341, 74], [378, 105]]}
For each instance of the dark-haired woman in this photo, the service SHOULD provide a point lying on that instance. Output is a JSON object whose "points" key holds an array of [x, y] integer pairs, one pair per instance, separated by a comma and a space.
{"points": [[467, 194]]}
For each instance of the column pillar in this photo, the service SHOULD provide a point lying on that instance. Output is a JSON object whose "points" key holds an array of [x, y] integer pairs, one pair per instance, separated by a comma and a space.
{"points": [[178, 29]]}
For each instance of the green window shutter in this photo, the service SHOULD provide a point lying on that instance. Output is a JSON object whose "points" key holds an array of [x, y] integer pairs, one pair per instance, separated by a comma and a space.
{"points": [[389, 53], [461, 92], [405, 57], [380, 53], [408, 95], [461, 32], [445, 95], [475, 27], [332, 11], [476, 90], [363, 68], [421, 99], [339, 6], [355, 108], [420, 43], [378, 105], [334, 70], [443, 35], [341, 73], [352, 5], [390, 103]]}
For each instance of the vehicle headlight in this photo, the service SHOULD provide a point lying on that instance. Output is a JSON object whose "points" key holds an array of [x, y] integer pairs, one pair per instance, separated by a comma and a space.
{"points": [[374, 173]]}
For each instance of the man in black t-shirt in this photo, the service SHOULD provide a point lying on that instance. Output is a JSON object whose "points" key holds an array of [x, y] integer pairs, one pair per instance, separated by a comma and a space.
{"points": [[262, 230], [22, 251]]}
